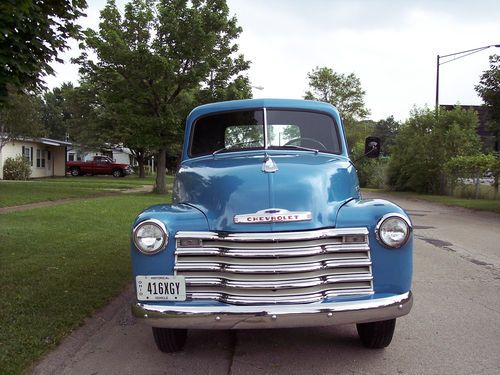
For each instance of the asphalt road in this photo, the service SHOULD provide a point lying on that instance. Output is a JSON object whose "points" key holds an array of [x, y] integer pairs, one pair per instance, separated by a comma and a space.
{"points": [[454, 327]]}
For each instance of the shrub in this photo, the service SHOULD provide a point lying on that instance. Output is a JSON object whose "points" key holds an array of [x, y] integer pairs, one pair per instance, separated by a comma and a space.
{"points": [[425, 143], [16, 169], [378, 176], [471, 167], [372, 173]]}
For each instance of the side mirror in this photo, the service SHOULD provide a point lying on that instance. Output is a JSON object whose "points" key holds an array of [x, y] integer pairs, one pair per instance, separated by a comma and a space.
{"points": [[372, 147]]}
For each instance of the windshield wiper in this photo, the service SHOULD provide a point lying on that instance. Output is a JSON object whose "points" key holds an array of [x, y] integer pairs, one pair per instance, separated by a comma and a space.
{"points": [[220, 150], [298, 148], [235, 147]]}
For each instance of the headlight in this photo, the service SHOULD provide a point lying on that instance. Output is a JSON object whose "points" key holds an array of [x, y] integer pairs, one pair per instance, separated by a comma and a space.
{"points": [[150, 236], [393, 230]]}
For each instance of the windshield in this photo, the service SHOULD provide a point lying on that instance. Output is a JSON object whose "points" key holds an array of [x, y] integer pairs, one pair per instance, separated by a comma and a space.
{"points": [[244, 130]]}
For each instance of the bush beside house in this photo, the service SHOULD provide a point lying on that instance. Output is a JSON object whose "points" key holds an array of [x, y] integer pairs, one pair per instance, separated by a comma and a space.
{"points": [[17, 168]]}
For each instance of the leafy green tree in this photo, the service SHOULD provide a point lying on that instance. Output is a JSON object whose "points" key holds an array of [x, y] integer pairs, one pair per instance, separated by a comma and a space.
{"points": [[343, 91], [221, 86], [32, 33], [425, 143], [489, 90], [150, 65], [356, 132], [386, 130], [56, 113], [20, 118]]}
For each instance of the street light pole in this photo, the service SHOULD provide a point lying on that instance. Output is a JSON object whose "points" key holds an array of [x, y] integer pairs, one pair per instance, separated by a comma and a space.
{"points": [[458, 55], [437, 83]]}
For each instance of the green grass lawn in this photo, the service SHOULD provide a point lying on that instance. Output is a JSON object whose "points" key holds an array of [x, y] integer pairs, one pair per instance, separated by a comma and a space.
{"points": [[13, 193], [492, 205], [58, 265]]}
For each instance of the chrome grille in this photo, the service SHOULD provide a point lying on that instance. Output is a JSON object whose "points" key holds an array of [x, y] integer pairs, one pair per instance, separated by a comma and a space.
{"points": [[272, 268]]}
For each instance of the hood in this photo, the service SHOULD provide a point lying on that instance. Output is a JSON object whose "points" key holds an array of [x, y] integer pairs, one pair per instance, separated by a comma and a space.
{"points": [[227, 185]]}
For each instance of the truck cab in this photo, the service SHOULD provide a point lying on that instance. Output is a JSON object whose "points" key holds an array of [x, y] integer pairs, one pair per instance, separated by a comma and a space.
{"points": [[268, 229]]}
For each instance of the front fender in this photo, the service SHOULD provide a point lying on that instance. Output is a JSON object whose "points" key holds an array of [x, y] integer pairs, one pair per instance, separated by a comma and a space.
{"points": [[391, 268], [175, 217]]}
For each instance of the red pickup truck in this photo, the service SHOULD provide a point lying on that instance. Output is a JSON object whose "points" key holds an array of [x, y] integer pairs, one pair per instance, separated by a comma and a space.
{"points": [[99, 165]]}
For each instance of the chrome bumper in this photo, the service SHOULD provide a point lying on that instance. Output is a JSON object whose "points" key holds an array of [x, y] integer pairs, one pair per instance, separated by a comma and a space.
{"points": [[274, 316]]}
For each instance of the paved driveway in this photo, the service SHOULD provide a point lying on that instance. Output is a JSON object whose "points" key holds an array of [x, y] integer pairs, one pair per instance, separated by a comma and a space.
{"points": [[454, 327]]}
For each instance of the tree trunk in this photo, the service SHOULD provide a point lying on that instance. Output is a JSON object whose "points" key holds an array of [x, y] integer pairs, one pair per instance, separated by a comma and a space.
{"points": [[453, 180], [476, 193], [442, 184], [495, 184], [140, 160], [160, 186]]}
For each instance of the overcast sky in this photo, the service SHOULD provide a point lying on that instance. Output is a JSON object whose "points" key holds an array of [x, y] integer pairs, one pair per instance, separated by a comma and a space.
{"points": [[390, 45]]}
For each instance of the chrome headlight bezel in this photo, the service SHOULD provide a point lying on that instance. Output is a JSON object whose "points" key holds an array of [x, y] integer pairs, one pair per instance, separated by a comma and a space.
{"points": [[384, 220], [162, 243]]}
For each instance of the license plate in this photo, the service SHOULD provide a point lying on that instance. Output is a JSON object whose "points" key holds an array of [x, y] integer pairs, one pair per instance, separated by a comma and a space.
{"points": [[160, 288]]}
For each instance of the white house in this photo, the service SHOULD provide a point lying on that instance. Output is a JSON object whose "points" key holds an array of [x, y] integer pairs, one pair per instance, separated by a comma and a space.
{"points": [[47, 157]]}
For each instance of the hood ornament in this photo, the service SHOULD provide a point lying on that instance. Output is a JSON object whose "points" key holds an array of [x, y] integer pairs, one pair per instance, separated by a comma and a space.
{"points": [[269, 166], [272, 215]]}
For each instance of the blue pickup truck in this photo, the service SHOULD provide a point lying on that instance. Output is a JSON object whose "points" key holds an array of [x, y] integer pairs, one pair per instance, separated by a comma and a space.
{"points": [[268, 229]]}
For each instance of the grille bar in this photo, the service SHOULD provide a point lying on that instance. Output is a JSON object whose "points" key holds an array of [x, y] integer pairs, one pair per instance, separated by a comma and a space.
{"points": [[277, 284], [283, 267], [272, 236], [265, 268], [257, 252]]}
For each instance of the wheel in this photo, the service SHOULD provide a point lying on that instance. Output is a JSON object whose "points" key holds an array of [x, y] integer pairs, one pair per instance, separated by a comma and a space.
{"points": [[169, 340], [376, 335], [117, 173], [75, 172]]}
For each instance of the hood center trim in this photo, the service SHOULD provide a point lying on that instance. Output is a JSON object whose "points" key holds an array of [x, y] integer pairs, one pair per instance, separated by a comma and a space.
{"points": [[272, 215], [269, 166]]}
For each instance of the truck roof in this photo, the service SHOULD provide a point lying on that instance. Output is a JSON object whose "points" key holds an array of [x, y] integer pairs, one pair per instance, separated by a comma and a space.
{"points": [[232, 105]]}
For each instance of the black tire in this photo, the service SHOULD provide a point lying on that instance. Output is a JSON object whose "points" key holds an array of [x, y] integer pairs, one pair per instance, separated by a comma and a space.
{"points": [[75, 172], [117, 173], [376, 335], [169, 340]]}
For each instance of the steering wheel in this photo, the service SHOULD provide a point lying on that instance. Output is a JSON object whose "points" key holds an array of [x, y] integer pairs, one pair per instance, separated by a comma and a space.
{"points": [[290, 142]]}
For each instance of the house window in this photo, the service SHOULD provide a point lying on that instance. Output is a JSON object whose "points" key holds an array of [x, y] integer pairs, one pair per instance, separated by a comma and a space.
{"points": [[71, 157], [40, 158], [27, 154]]}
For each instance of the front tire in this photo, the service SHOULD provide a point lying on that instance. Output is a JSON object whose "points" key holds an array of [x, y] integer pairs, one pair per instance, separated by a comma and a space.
{"points": [[117, 173], [376, 335], [75, 172], [169, 340]]}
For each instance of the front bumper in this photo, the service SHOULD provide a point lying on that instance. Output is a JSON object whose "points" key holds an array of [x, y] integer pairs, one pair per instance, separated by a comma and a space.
{"points": [[274, 316]]}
